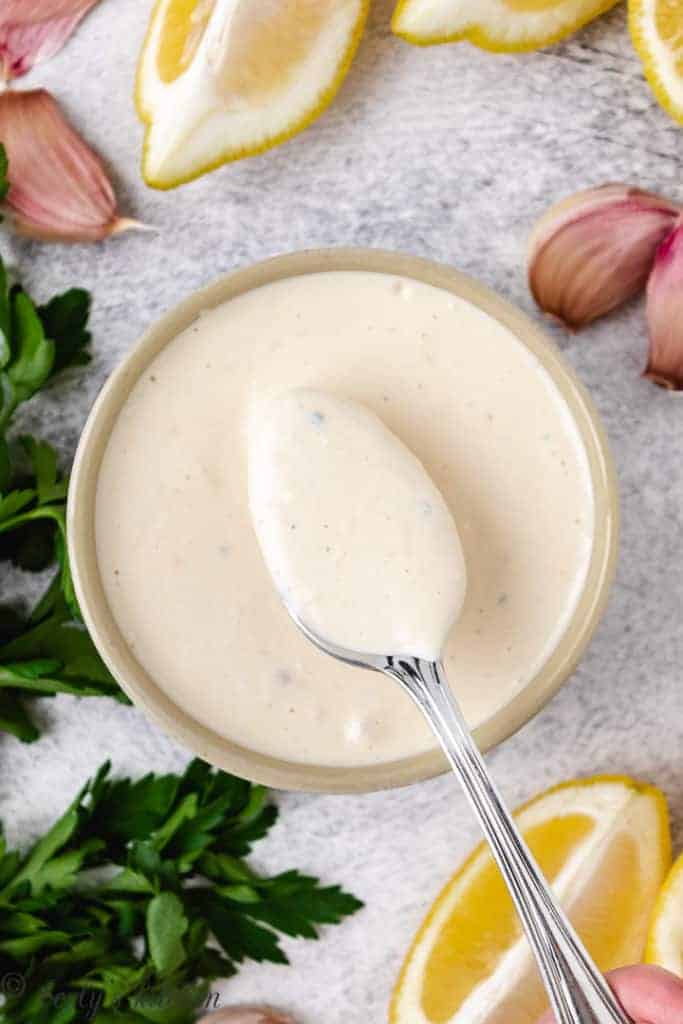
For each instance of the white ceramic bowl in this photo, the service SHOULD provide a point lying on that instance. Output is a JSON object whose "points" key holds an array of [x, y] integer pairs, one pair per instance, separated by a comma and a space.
{"points": [[148, 694]]}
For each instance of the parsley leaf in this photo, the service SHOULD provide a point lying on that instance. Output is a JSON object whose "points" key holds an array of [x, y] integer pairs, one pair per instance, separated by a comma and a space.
{"points": [[37, 503], [14, 718], [166, 926], [32, 354], [37, 343], [111, 916], [50, 652], [65, 320]]}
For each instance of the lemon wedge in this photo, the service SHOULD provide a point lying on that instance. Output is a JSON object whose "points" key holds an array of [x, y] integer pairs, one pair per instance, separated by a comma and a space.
{"points": [[224, 79], [657, 33], [665, 941], [604, 845], [501, 25]]}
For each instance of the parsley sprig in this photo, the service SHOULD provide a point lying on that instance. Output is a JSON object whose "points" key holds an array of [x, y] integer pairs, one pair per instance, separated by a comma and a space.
{"points": [[49, 651], [139, 897]]}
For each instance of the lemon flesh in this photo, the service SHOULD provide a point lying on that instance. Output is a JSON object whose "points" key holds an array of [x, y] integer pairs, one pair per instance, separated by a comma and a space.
{"points": [[665, 941], [604, 846], [657, 31], [224, 79], [500, 25]]}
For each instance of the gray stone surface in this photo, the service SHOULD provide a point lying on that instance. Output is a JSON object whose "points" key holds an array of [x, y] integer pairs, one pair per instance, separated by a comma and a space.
{"points": [[449, 153]]}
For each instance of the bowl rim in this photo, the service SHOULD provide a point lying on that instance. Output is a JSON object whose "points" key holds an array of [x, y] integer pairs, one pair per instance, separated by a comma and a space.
{"points": [[148, 695]]}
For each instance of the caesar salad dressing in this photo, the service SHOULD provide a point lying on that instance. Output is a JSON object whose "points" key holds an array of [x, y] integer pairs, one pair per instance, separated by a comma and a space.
{"points": [[361, 545], [179, 557]]}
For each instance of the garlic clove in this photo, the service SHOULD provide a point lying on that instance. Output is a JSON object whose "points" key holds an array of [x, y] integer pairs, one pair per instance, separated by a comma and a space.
{"points": [[246, 1015], [34, 30], [665, 313], [59, 190], [593, 251]]}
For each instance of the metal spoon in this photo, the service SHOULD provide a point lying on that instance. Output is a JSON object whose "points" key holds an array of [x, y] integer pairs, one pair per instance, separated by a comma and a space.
{"points": [[578, 992]]}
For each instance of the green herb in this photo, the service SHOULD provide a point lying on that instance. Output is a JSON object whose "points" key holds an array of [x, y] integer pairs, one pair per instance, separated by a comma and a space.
{"points": [[139, 897], [48, 652], [33, 501], [37, 342]]}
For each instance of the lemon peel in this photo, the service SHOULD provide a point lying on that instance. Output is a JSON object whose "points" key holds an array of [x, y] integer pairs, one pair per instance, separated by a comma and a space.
{"points": [[500, 26], [603, 843], [665, 938], [656, 29], [209, 93]]}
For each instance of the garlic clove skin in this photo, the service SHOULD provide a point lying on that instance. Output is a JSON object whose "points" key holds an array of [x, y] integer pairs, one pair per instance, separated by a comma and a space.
{"points": [[665, 313], [593, 251], [246, 1015], [59, 190], [34, 30]]}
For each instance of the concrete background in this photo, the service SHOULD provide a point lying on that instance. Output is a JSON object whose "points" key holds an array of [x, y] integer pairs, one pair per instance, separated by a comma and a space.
{"points": [[449, 153]]}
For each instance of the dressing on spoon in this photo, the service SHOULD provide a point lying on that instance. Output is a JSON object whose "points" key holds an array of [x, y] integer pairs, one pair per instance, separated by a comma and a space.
{"points": [[360, 543]]}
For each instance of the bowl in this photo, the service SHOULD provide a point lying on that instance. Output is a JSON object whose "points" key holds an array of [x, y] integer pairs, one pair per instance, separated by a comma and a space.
{"points": [[145, 691]]}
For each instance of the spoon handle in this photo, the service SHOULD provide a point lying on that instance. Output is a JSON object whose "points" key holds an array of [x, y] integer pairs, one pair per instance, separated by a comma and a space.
{"points": [[578, 992]]}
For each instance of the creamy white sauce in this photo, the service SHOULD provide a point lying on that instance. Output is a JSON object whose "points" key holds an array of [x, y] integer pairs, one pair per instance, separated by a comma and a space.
{"points": [[361, 545], [180, 560]]}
